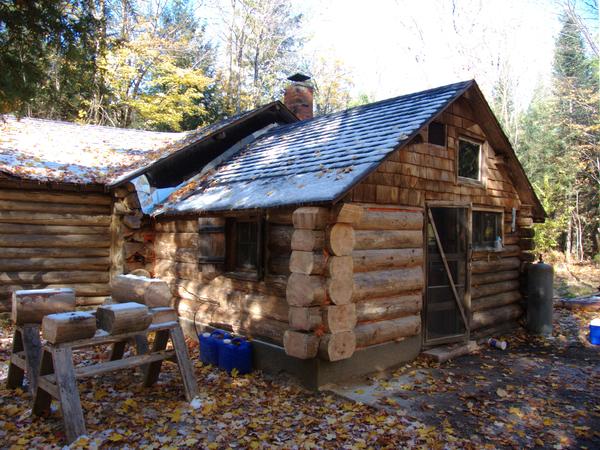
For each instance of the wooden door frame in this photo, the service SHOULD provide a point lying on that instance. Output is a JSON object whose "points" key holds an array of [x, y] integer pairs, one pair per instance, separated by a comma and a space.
{"points": [[468, 257]]}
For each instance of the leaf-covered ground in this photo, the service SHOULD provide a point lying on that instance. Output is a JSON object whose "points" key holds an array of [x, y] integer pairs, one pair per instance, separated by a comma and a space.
{"points": [[536, 394]]}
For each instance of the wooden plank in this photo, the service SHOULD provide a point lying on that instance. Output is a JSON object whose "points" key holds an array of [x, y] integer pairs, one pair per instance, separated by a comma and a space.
{"points": [[16, 370], [33, 353], [183, 361], [37, 218], [70, 403], [44, 393]]}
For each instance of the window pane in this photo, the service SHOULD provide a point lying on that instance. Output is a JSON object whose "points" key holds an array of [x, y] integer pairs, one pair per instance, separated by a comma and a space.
{"points": [[468, 160], [246, 245], [487, 228]]}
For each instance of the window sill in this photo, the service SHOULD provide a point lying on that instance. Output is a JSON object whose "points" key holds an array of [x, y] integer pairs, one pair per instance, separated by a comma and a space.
{"points": [[470, 181], [246, 276]]}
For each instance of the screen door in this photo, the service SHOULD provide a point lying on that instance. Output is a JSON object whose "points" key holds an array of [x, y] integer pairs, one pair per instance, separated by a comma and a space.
{"points": [[447, 278]]}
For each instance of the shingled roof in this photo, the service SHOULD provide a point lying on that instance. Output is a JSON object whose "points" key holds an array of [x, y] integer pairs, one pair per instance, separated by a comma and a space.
{"points": [[313, 161], [49, 150]]}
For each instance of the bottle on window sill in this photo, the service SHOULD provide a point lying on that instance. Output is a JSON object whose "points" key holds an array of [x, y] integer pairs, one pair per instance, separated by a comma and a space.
{"points": [[498, 244]]}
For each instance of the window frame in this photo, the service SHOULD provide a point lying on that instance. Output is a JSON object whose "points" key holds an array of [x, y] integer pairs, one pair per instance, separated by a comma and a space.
{"points": [[231, 248], [466, 180], [482, 248]]}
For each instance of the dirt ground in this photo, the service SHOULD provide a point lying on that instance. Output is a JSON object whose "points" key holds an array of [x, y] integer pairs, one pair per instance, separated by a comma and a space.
{"points": [[538, 393], [574, 280]]}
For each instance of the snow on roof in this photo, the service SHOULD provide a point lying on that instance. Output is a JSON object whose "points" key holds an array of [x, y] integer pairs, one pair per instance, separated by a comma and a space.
{"points": [[49, 150], [315, 160]]}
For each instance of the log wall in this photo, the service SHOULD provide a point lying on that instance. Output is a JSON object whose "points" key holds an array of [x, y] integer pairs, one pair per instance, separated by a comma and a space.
{"points": [[55, 238], [189, 256]]}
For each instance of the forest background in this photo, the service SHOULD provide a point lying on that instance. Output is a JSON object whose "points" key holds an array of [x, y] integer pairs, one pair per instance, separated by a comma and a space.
{"points": [[173, 65]]}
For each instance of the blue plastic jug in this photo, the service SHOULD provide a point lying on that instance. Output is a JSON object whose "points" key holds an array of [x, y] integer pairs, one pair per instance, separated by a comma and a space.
{"points": [[236, 354], [595, 331], [209, 346]]}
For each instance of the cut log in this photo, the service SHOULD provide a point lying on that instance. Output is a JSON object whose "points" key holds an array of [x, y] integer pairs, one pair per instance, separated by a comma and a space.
{"points": [[151, 292], [370, 240], [493, 277], [390, 219], [347, 213], [340, 239], [132, 201], [495, 301], [340, 267], [337, 346], [31, 264], [306, 319], [371, 260], [495, 266], [305, 290], [123, 317], [338, 318], [308, 240], [387, 282], [38, 218], [300, 345], [138, 249], [163, 314], [340, 290], [388, 308], [386, 330], [311, 218], [31, 306], [524, 222], [495, 316], [309, 263], [140, 273], [85, 289], [91, 301], [68, 327], [494, 288]]}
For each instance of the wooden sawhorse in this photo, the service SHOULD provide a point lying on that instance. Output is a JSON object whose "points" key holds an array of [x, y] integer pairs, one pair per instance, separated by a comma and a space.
{"points": [[25, 357], [58, 376]]}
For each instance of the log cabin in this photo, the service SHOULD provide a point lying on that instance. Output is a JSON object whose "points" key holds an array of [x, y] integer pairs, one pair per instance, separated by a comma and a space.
{"points": [[342, 244]]}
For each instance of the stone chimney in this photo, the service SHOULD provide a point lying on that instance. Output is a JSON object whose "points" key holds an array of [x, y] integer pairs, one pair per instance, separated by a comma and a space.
{"points": [[298, 96]]}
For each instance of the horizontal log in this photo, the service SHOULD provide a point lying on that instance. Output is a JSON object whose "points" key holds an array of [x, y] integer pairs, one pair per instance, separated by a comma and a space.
{"points": [[372, 333], [76, 276], [10, 205], [65, 252], [507, 251], [177, 254], [123, 317], [511, 239], [172, 226], [495, 301], [70, 240], [308, 240], [68, 326], [38, 218], [279, 239], [333, 318], [91, 301], [32, 306], [386, 283], [371, 260], [179, 239], [493, 277], [151, 292], [390, 219], [167, 268], [300, 344], [494, 288], [385, 239], [524, 222], [311, 217], [12, 228], [527, 232], [502, 264], [347, 213], [261, 305], [309, 263], [31, 264], [388, 308], [305, 290], [527, 244], [77, 198], [278, 265], [495, 316], [282, 216], [223, 285]]}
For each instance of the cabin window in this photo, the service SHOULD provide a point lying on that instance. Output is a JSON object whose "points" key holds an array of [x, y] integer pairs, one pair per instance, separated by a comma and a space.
{"points": [[487, 230], [437, 134], [244, 253], [469, 159]]}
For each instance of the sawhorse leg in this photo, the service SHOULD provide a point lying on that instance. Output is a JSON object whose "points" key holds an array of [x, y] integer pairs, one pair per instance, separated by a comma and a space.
{"points": [[70, 404], [27, 340], [153, 369], [183, 362]]}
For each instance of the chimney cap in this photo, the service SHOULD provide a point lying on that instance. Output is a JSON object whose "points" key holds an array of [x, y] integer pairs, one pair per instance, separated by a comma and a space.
{"points": [[299, 77]]}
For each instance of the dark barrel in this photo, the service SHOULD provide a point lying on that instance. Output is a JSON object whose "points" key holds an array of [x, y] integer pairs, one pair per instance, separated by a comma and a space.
{"points": [[539, 298]]}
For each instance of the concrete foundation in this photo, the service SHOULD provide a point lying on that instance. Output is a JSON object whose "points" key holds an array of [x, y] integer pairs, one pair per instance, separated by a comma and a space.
{"points": [[314, 373]]}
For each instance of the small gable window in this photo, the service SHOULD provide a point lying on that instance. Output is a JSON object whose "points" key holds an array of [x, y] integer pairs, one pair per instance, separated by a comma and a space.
{"points": [[469, 159], [487, 230], [244, 243], [437, 134]]}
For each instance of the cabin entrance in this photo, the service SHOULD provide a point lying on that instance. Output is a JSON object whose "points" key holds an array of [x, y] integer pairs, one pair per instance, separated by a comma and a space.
{"points": [[447, 274]]}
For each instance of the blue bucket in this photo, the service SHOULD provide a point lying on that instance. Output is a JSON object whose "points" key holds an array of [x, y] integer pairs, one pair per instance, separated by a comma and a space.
{"points": [[595, 331], [209, 346], [236, 354]]}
